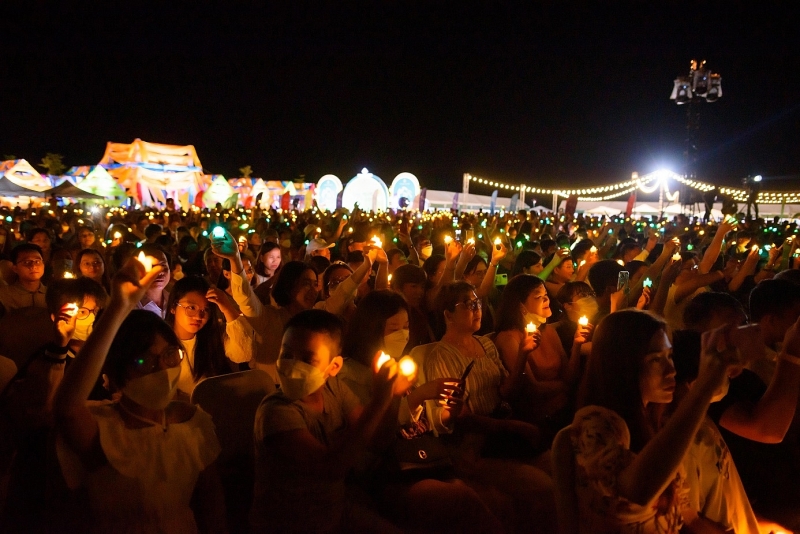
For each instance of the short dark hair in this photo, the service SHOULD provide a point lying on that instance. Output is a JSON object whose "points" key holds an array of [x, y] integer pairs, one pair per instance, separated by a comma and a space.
{"points": [[773, 297], [152, 230], [317, 322], [24, 247], [318, 263], [525, 260], [408, 274], [451, 294], [569, 290], [603, 275], [701, 309]]}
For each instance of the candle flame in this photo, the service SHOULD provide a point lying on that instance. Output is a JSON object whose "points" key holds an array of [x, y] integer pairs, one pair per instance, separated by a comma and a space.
{"points": [[583, 321], [471, 241], [676, 256], [530, 328], [146, 261], [448, 240], [117, 235], [377, 242], [382, 359], [68, 274], [497, 241], [593, 250], [407, 366]]}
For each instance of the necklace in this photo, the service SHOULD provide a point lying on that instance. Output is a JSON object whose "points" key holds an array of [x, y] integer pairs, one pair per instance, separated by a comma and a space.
{"points": [[144, 419]]}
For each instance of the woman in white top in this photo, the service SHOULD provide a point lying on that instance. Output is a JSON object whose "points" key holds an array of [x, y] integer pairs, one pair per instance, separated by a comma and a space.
{"points": [[213, 345], [147, 463]]}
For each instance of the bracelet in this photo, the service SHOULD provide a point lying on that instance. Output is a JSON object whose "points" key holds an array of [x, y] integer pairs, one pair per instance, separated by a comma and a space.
{"points": [[492, 265], [789, 358]]}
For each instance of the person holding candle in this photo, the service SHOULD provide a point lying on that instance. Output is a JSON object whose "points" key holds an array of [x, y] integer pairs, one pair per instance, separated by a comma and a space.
{"points": [[148, 463], [380, 325], [544, 395], [156, 297], [579, 302], [488, 447], [310, 433]]}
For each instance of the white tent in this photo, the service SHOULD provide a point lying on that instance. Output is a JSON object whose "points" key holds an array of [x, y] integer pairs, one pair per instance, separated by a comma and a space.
{"points": [[603, 210], [22, 173], [645, 209], [443, 200]]}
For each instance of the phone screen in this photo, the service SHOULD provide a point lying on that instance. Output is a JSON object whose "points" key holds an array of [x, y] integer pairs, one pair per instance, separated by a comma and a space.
{"points": [[501, 279], [458, 234], [622, 280]]}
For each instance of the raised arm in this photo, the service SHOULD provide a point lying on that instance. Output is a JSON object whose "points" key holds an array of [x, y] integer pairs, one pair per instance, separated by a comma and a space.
{"points": [[498, 253], [654, 467], [768, 420], [73, 418], [712, 252]]}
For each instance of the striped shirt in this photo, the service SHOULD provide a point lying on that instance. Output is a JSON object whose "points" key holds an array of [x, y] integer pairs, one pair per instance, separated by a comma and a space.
{"points": [[483, 383]]}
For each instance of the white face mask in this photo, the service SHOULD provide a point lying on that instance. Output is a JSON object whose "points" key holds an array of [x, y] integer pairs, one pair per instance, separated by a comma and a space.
{"points": [[299, 379], [83, 327], [394, 343], [426, 251], [153, 391], [534, 318]]}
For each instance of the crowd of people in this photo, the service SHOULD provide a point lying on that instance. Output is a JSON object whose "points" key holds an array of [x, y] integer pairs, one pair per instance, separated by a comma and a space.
{"points": [[412, 372]]}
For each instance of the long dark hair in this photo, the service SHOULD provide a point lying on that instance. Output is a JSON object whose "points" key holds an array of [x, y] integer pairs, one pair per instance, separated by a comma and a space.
{"points": [[104, 280], [287, 280], [508, 315], [619, 345], [209, 347], [266, 247], [364, 335], [525, 260]]}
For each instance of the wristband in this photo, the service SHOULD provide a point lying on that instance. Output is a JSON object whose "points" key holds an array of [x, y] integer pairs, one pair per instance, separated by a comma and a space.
{"points": [[789, 358], [56, 350]]}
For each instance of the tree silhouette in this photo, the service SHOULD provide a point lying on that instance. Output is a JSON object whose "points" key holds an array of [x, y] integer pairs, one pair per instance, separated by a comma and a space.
{"points": [[246, 171], [53, 164]]}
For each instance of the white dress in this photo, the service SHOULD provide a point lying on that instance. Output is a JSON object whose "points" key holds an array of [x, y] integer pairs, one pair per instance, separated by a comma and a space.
{"points": [[150, 476]]}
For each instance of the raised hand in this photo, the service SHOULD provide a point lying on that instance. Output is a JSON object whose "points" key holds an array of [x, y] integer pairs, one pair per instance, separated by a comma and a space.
{"points": [[131, 282]]}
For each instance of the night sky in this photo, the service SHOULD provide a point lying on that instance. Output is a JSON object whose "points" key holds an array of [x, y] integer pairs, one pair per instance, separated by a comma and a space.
{"points": [[562, 95]]}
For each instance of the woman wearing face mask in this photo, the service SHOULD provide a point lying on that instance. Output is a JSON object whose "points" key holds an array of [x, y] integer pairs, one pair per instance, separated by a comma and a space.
{"points": [[92, 265], [148, 463], [212, 346], [546, 392]]}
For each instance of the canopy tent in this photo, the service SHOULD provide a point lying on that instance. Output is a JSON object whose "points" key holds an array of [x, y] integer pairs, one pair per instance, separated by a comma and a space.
{"points": [[603, 210], [645, 209], [96, 179], [67, 190], [11, 189], [23, 174], [444, 200], [221, 192], [151, 172]]}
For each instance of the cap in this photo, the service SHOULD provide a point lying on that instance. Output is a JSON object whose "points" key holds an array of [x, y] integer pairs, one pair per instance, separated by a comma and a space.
{"points": [[317, 244], [310, 229]]}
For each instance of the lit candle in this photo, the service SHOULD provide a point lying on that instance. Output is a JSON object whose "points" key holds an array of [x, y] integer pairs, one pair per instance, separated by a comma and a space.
{"points": [[593, 250], [72, 308], [530, 328], [407, 366], [497, 241], [117, 235], [319, 230], [377, 242], [471, 241], [389, 278], [448, 240], [676, 256], [754, 248], [621, 262], [583, 321], [146, 261], [68, 274], [382, 359]]}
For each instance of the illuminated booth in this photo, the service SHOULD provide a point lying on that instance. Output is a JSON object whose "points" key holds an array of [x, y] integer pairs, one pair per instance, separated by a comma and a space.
{"points": [[404, 189], [328, 189], [151, 172], [367, 190], [95, 179]]}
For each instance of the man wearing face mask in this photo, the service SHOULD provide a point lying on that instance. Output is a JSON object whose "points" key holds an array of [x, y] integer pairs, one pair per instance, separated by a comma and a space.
{"points": [[313, 431]]}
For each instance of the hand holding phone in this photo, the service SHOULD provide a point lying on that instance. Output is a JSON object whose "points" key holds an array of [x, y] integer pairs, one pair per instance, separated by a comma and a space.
{"points": [[622, 281]]}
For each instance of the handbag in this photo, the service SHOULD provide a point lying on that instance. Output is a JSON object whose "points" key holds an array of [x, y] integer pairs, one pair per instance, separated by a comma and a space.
{"points": [[423, 456]]}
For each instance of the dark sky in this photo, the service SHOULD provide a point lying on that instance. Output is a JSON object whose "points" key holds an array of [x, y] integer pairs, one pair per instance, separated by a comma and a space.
{"points": [[555, 94]]}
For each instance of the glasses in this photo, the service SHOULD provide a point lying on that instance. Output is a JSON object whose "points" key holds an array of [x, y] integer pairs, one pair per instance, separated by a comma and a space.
{"points": [[582, 296], [193, 311], [83, 313], [149, 362], [30, 263], [472, 305], [335, 283]]}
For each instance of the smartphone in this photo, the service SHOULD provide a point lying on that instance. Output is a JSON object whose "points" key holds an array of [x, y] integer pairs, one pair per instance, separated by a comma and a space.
{"points": [[622, 280], [218, 232], [470, 234], [455, 221], [467, 370], [501, 279], [458, 234]]}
